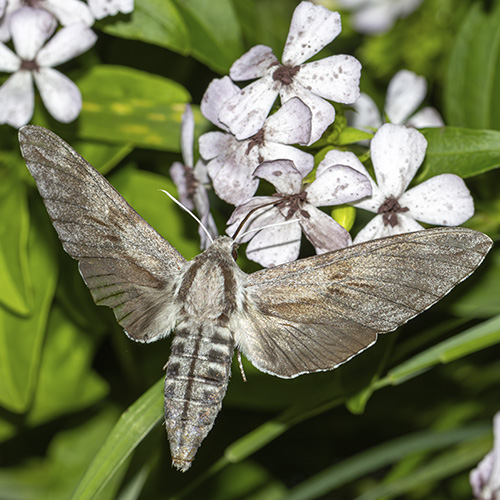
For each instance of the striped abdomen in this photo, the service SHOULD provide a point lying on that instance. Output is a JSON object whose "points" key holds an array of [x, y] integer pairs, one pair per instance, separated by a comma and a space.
{"points": [[196, 381]]}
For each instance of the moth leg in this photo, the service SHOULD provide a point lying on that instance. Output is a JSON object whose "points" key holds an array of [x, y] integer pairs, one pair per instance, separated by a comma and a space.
{"points": [[242, 370]]}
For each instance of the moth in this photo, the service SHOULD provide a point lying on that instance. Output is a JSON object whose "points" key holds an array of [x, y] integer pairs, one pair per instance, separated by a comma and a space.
{"points": [[306, 316]]}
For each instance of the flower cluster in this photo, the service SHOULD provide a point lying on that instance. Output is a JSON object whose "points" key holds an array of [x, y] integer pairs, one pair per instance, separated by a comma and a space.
{"points": [[256, 144], [31, 26]]}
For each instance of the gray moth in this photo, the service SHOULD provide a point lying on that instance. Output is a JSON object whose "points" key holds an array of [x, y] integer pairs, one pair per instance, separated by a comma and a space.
{"points": [[306, 316]]}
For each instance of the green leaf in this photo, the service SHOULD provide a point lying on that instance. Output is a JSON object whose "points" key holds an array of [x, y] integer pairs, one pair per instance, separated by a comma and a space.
{"points": [[124, 105], [14, 273], [70, 386], [216, 38], [460, 151], [21, 339], [68, 454], [382, 456], [481, 300], [152, 21], [133, 425], [472, 340], [473, 76]]}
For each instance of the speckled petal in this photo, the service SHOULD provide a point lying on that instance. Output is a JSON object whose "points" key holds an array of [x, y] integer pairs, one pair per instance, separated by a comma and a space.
{"points": [[377, 229], [302, 161], [213, 144], [291, 124], [325, 233], [335, 78], [253, 64], [218, 92], [322, 112], [443, 200], [337, 185], [312, 28], [246, 112], [282, 174], [397, 153]]}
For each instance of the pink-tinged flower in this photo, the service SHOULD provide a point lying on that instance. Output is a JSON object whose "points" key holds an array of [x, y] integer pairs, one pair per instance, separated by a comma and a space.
{"points": [[104, 8], [232, 162], [485, 478], [405, 94], [378, 16], [30, 29], [335, 78], [397, 152], [65, 11], [334, 185], [191, 181]]}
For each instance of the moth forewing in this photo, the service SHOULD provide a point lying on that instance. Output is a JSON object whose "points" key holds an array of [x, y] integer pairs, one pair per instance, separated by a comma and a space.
{"points": [[306, 316]]}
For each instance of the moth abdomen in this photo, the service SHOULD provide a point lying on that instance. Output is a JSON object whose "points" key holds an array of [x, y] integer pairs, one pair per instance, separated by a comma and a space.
{"points": [[195, 384]]}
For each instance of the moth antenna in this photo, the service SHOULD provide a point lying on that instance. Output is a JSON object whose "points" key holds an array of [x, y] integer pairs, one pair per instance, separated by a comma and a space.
{"points": [[249, 214], [268, 226], [242, 370], [186, 209]]}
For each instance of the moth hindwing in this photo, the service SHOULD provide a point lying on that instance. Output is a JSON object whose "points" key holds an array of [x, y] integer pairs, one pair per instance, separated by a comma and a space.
{"points": [[310, 315]]}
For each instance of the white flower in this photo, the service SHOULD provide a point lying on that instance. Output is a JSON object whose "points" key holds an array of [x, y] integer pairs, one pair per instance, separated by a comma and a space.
{"points": [[378, 16], [485, 478], [231, 163], [405, 93], [30, 29], [335, 78], [191, 181], [397, 152], [103, 8], [65, 11], [334, 185]]}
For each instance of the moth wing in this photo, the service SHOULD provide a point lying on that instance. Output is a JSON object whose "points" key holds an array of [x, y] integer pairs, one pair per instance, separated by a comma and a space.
{"points": [[317, 313], [125, 263]]}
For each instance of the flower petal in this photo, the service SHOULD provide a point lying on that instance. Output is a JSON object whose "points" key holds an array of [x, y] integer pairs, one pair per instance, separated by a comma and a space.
{"points": [[268, 214], [246, 112], [443, 200], [70, 11], [291, 124], [213, 144], [282, 174], [276, 245], [179, 174], [103, 8], [61, 96], [397, 153], [66, 44], [232, 177], [187, 136], [253, 64], [9, 61], [337, 185], [218, 92], [322, 112], [17, 99], [426, 117], [325, 233], [366, 114], [377, 229], [405, 93], [312, 28], [335, 78], [302, 161], [30, 28]]}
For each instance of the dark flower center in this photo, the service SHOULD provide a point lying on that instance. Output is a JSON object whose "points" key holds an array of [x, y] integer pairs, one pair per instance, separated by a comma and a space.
{"points": [[285, 74], [293, 202], [256, 140], [390, 210], [191, 181], [32, 3], [30, 65]]}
